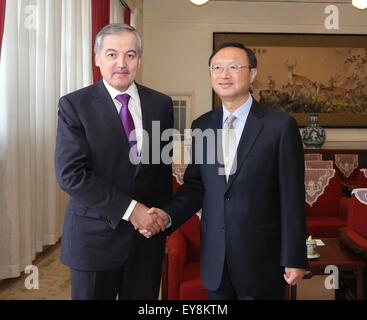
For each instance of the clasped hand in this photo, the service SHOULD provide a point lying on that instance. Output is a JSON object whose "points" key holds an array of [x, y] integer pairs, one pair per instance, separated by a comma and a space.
{"points": [[148, 221]]}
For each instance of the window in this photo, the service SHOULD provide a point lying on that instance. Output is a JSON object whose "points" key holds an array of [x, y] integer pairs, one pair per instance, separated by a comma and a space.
{"points": [[180, 110], [182, 120]]}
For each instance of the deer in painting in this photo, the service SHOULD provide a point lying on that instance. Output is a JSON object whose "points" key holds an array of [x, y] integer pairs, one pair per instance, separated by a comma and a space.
{"points": [[297, 80], [323, 91]]}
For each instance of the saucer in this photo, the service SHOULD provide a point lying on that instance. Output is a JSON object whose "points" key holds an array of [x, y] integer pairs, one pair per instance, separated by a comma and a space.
{"points": [[314, 256]]}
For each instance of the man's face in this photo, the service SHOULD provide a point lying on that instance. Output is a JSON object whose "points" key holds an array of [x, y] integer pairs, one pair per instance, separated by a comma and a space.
{"points": [[232, 85], [118, 60]]}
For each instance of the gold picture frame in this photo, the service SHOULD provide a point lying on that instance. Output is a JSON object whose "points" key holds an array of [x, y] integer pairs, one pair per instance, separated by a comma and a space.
{"points": [[305, 74]]}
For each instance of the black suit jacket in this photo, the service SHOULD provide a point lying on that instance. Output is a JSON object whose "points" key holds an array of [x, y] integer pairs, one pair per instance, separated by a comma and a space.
{"points": [[256, 220], [93, 167]]}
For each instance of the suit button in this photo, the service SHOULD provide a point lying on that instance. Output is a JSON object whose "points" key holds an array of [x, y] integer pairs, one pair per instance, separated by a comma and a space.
{"points": [[223, 230], [227, 198]]}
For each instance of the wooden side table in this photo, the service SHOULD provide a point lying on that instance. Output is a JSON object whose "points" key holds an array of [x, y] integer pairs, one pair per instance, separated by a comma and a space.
{"points": [[335, 253]]}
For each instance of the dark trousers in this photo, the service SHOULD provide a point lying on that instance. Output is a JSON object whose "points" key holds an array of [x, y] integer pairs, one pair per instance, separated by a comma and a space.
{"points": [[138, 279], [226, 290], [96, 285]]}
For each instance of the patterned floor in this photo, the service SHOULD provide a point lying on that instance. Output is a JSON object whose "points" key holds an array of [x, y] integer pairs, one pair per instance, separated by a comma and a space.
{"points": [[54, 283]]}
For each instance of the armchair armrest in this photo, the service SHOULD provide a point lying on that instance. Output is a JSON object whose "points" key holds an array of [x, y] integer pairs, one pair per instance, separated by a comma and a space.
{"points": [[344, 237], [176, 260], [344, 204]]}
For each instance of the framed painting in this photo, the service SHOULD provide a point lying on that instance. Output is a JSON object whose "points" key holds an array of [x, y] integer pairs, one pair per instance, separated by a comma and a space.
{"points": [[305, 74]]}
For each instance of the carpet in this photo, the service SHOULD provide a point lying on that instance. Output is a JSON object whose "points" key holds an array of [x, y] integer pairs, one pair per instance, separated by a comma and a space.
{"points": [[54, 281]]}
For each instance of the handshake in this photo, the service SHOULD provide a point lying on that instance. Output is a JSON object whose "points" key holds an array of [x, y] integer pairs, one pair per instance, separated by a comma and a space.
{"points": [[149, 221]]}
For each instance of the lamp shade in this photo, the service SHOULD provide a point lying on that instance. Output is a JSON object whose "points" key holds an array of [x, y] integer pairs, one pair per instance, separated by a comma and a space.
{"points": [[199, 2], [360, 4]]}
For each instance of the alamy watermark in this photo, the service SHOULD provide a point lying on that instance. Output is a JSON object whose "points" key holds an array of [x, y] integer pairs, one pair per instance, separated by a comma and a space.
{"points": [[332, 20], [206, 147], [31, 20], [332, 280], [31, 282]]}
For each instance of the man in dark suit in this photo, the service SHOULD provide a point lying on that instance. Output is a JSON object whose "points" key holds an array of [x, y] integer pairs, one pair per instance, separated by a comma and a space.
{"points": [[253, 219], [104, 133]]}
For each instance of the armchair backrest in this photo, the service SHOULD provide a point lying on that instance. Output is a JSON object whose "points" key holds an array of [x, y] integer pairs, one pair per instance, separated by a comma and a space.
{"points": [[183, 262], [328, 187], [191, 231], [175, 185], [318, 164], [357, 215], [346, 166], [362, 178], [313, 156]]}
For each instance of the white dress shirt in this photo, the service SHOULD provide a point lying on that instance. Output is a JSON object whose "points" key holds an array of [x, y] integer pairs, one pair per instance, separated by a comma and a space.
{"points": [[135, 110], [241, 115]]}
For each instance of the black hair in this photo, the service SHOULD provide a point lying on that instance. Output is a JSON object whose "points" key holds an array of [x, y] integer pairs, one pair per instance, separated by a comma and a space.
{"points": [[250, 54]]}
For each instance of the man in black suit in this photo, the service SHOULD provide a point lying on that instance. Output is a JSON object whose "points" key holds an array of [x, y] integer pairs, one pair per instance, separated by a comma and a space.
{"points": [[104, 132], [253, 219]]}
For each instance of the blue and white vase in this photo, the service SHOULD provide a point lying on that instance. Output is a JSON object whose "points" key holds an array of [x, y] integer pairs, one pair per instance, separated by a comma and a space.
{"points": [[313, 135]]}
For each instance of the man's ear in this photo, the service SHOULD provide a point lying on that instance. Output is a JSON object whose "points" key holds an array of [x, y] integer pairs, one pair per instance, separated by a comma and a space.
{"points": [[96, 60], [253, 74]]}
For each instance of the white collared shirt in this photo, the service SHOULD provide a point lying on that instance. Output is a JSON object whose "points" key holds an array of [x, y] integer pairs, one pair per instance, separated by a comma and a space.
{"points": [[241, 115], [135, 110]]}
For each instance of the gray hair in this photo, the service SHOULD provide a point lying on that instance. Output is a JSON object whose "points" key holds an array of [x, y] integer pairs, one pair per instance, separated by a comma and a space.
{"points": [[116, 28]]}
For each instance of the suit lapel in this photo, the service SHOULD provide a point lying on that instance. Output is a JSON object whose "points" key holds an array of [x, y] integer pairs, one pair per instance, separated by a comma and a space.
{"points": [[147, 118], [251, 131], [217, 125], [105, 108]]}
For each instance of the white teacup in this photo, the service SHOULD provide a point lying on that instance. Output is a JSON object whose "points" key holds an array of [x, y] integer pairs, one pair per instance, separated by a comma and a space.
{"points": [[311, 247]]}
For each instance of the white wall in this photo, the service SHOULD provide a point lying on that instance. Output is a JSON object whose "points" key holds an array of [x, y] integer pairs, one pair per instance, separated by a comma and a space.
{"points": [[178, 41]]}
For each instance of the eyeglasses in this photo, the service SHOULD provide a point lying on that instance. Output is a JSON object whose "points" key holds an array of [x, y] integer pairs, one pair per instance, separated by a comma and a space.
{"points": [[232, 68]]}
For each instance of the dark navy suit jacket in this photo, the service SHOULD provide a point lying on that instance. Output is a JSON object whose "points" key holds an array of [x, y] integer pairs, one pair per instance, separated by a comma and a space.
{"points": [[93, 167], [256, 220]]}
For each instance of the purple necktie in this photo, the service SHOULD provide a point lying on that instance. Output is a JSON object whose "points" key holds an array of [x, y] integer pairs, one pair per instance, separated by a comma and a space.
{"points": [[126, 118]]}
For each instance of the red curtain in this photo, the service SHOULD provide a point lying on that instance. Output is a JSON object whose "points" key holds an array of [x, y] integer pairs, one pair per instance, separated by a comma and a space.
{"points": [[100, 18], [127, 15], [2, 21]]}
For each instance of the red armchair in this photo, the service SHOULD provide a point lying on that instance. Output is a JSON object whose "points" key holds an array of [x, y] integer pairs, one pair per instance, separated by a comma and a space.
{"points": [[355, 233], [347, 167], [329, 211], [362, 179], [313, 156], [183, 263]]}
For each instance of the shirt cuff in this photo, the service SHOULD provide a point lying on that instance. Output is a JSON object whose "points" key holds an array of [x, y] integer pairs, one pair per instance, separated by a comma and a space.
{"points": [[129, 210], [169, 224]]}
